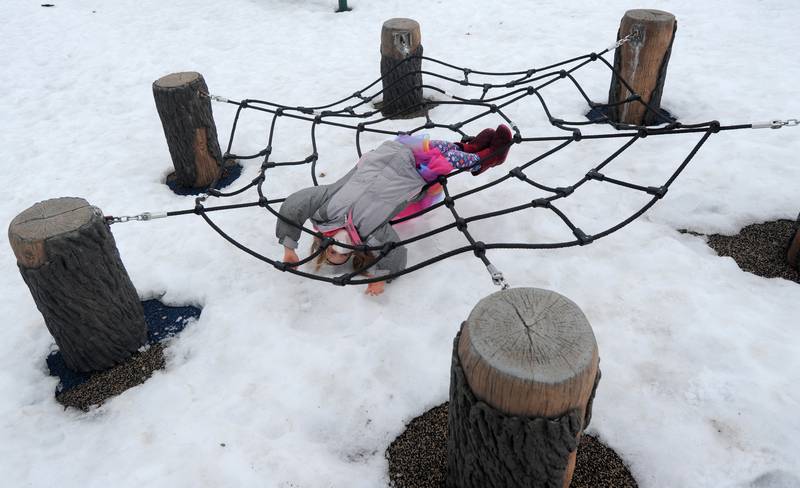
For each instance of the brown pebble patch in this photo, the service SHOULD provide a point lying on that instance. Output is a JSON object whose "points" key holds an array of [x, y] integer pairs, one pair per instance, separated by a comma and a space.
{"points": [[418, 457], [106, 384], [760, 249]]}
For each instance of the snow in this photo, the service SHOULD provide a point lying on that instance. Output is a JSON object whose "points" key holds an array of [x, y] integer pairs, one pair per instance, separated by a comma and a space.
{"points": [[305, 383]]}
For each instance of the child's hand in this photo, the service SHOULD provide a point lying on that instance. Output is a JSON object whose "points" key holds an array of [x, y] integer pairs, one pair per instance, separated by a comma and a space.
{"points": [[289, 256], [376, 288]]}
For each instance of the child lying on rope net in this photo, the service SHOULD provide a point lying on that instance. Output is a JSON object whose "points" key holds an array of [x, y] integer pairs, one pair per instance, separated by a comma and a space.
{"points": [[358, 207]]}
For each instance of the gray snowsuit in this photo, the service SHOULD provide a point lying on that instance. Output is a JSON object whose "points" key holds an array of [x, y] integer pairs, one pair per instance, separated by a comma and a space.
{"points": [[383, 182]]}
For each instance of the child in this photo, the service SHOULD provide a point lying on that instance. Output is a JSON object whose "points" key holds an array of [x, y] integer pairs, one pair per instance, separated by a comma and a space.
{"points": [[357, 208]]}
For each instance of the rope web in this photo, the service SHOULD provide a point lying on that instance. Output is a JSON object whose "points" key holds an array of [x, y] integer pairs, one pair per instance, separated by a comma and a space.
{"points": [[356, 113]]}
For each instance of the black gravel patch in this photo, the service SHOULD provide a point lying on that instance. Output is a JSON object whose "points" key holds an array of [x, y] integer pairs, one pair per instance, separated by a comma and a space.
{"points": [[599, 115], [418, 457], [83, 390], [759, 249], [106, 384]]}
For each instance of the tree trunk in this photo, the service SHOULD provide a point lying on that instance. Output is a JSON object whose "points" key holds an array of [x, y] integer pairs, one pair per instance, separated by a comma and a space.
{"points": [[402, 79], [793, 255], [69, 260], [189, 128], [524, 372], [642, 64]]}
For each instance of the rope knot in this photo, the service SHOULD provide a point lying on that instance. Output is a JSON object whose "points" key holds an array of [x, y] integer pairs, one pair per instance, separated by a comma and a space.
{"points": [[565, 191], [517, 172], [540, 203], [583, 239], [480, 249]]}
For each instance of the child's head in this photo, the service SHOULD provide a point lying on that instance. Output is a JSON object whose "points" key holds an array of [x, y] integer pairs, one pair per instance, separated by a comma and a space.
{"points": [[337, 255]]}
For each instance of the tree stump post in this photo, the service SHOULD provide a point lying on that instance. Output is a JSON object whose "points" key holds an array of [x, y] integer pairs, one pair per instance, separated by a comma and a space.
{"points": [[401, 65], [793, 255], [69, 260], [642, 64], [523, 376], [189, 128]]}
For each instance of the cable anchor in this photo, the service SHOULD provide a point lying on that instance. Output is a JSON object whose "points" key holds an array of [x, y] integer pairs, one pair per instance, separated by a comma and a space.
{"points": [[402, 42], [630, 37], [143, 217], [776, 124], [497, 277], [217, 98]]}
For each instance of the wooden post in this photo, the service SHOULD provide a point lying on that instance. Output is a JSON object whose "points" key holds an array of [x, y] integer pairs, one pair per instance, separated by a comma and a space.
{"points": [[793, 255], [642, 63], [189, 127], [402, 79], [69, 260], [524, 371]]}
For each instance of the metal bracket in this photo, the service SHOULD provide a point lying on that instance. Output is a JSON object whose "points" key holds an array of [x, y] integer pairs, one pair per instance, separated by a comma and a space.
{"points": [[402, 42]]}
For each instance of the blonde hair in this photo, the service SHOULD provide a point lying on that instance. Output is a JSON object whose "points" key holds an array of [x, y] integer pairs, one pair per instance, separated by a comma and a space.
{"points": [[361, 259]]}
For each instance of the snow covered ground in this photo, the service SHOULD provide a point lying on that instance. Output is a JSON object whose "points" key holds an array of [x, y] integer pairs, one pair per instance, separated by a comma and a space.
{"points": [[306, 384]]}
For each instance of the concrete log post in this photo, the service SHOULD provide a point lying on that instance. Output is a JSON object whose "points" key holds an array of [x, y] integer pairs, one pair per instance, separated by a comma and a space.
{"points": [[642, 64], [401, 62], [793, 255], [189, 128], [69, 260], [524, 372]]}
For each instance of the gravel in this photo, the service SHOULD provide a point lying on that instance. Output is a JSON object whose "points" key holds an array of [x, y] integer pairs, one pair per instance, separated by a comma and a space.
{"points": [[760, 249], [106, 384], [418, 457]]}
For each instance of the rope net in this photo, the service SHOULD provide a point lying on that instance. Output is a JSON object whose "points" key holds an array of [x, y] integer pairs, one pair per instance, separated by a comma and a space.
{"points": [[356, 113]]}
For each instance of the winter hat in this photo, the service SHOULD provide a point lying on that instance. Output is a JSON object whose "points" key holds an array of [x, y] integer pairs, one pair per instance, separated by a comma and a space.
{"points": [[343, 237]]}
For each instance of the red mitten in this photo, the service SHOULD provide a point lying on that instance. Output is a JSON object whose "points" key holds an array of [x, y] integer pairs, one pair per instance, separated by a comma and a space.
{"points": [[497, 151], [481, 141]]}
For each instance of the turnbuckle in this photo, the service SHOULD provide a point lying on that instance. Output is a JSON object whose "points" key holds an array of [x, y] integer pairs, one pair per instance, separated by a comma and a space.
{"points": [[216, 98], [143, 217], [497, 277], [776, 124]]}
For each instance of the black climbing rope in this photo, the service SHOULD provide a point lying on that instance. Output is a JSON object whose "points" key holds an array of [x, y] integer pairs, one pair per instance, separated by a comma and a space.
{"points": [[356, 113]]}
